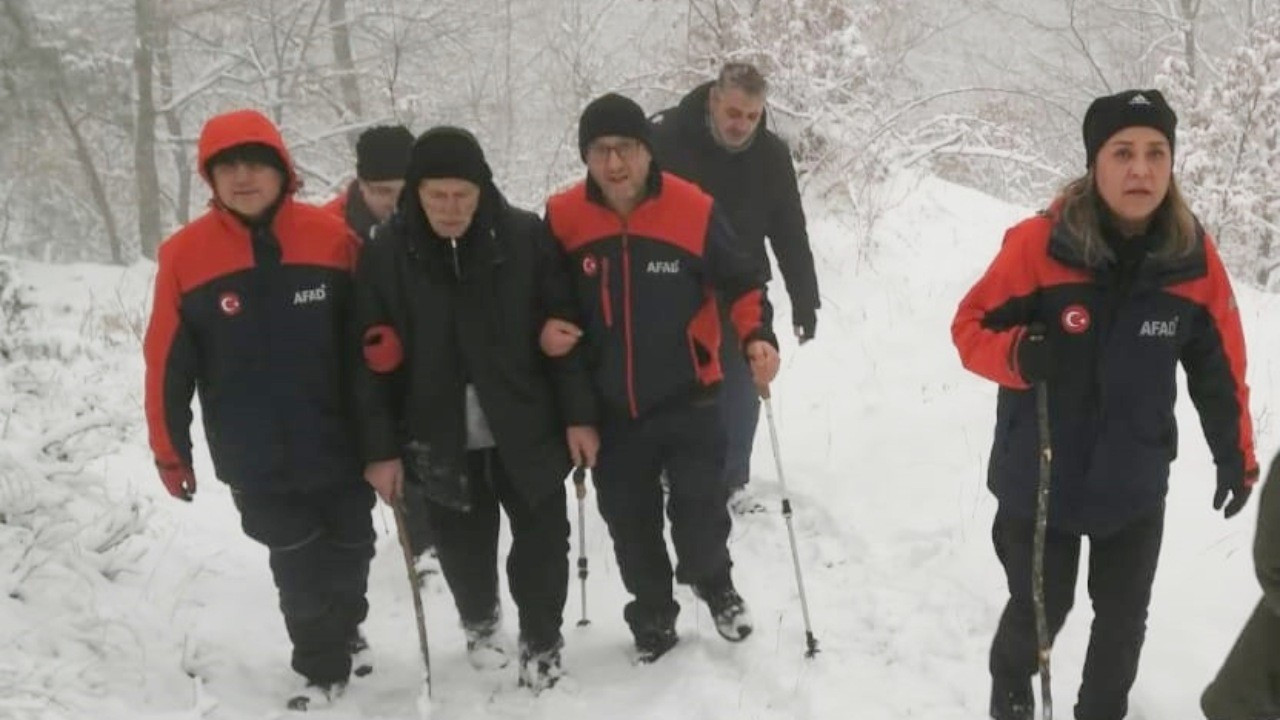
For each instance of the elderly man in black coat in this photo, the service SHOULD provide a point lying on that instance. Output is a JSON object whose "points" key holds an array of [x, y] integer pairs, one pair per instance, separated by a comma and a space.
{"points": [[455, 394]]}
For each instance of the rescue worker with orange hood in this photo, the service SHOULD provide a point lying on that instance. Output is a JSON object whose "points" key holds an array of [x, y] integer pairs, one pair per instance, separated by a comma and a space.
{"points": [[252, 309]]}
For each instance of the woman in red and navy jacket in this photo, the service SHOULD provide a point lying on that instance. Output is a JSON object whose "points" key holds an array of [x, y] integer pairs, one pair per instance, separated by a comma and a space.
{"points": [[1126, 285]]}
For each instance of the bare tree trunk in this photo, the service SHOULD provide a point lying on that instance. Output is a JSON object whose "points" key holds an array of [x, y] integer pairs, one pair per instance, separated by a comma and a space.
{"points": [[173, 123], [1190, 9], [345, 61], [85, 157], [50, 63], [7, 214], [144, 146]]}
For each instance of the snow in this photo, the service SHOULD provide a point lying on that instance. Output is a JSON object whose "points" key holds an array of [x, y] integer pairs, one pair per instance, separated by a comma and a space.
{"points": [[120, 602]]}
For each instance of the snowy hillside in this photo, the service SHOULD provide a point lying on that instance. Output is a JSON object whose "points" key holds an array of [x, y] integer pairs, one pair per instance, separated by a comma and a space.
{"points": [[162, 610]]}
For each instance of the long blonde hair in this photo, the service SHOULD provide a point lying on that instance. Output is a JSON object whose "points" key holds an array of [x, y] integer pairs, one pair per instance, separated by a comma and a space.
{"points": [[1079, 208]]}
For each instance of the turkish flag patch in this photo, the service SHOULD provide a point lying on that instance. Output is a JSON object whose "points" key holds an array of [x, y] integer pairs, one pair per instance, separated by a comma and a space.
{"points": [[1076, 319], [229, 304]]}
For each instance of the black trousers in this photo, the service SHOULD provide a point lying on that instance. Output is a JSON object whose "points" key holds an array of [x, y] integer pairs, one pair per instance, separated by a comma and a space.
{"points": [[537, 565], [320, 543], [1122, 567], [687, 442]]}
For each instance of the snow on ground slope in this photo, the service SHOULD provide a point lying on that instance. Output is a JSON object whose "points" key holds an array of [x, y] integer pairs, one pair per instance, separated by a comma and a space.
{"points": [[884, 440]]}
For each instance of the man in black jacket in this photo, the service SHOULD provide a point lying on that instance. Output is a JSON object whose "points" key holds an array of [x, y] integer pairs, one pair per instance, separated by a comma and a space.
{"points": [[717, 137], [455, 394]]}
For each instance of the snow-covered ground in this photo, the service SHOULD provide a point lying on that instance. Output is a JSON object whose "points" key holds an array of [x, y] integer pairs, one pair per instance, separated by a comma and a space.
{"points": [[120, 602]]}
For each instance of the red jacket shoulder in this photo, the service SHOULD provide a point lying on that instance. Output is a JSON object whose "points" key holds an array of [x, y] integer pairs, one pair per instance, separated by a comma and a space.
{"points": [[314, 236]]}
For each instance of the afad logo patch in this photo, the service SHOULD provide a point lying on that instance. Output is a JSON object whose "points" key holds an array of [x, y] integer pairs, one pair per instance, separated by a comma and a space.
{"points": [[229, 304], [590, 266], [1076, 319]]}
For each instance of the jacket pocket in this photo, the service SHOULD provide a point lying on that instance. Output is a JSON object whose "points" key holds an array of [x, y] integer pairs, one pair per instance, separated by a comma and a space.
{"points": [[703, 334], [1155, 429]]}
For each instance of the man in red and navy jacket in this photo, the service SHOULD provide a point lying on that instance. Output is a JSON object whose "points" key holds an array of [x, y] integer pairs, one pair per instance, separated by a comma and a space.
{"points": [[651, 257], [252, 308]]}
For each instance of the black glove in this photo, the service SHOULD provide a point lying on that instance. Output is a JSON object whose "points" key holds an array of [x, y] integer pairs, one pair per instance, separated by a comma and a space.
{"points": [[1238, 486], [805, 323], [1034, 351]]}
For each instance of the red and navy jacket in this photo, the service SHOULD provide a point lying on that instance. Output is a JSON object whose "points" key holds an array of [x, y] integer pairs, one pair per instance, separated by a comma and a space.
{"points": [[1117, 343], [647, 290], [258, 322]]}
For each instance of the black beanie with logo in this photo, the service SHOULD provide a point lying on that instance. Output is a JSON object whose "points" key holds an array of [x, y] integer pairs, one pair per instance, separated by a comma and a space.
{"points": [[1110, 114]]}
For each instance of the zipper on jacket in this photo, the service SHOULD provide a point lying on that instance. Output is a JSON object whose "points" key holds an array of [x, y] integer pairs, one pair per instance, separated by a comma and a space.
{"points": [[457, 266], [606, 303], [1119, 292], [626, 323], [268, 257]]}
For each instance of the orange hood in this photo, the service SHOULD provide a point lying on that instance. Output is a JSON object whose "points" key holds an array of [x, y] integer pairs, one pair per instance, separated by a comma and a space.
{"points": [[241, 127]]}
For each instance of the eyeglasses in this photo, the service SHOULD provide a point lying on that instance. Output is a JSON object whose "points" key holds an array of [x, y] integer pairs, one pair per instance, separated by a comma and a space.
{"points": [[624, 149]]}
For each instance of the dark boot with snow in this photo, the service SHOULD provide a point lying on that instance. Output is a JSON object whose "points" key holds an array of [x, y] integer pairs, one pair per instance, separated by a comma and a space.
{"points": [[1012, 700], [540, 666], [361, 658], [654, 629], [653, 643], [728, 609], [485, 649], [316, 696]]}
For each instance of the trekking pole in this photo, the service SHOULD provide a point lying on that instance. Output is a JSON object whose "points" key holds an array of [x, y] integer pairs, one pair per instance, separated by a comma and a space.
{"points": [[811, 642], [402, 529], [580, 489], [1044, 643]]}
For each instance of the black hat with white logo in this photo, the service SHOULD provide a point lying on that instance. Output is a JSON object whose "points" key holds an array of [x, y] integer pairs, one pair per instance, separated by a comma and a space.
{"points": [[1110, 114]]}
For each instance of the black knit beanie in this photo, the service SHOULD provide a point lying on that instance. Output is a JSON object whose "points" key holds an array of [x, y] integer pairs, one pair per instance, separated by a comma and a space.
{"points": [[1110, 114], [612, 114], [447, 152], [382, 152]]}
